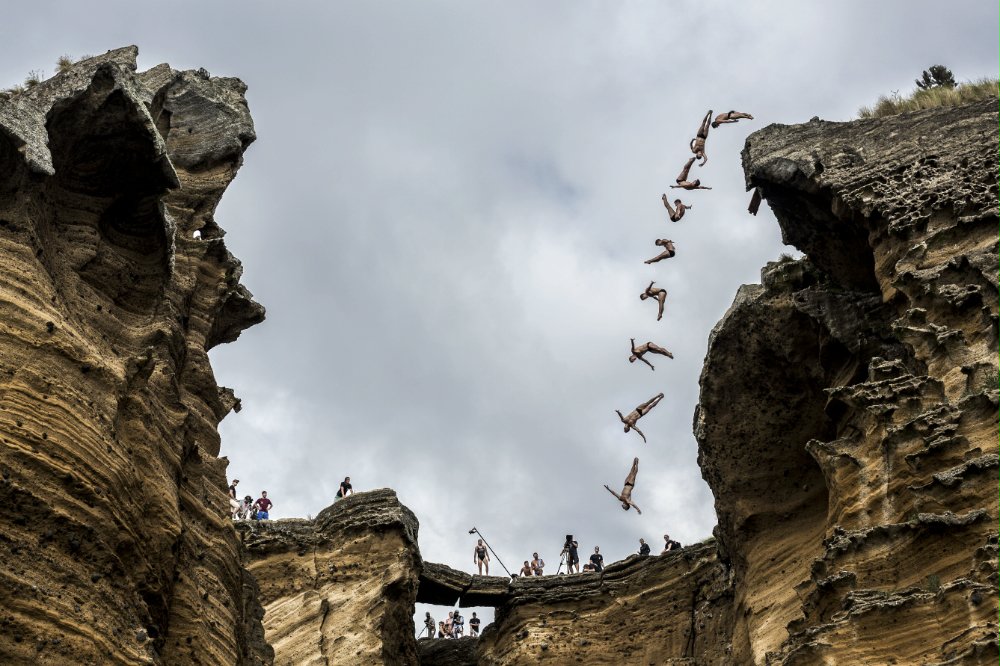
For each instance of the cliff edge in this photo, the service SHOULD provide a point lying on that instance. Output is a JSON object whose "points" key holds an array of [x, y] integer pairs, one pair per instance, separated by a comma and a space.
{"points": [[114, 283], [847, 423]]}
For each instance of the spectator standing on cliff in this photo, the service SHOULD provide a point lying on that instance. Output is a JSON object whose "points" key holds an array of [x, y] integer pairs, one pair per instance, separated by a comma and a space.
{"points": [[643, 547], [473, 625], [234, 503], [537, 564], [458, 625], [263, 506], [428, 626], [597, 560], [526, 569], [481, 558], [573, 556], [449, 625], [345, 489], [669, 544]]}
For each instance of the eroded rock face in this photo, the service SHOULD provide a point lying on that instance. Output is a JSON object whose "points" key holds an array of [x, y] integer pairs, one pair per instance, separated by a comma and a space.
{"points": [[339, 589], [115, 282], [848, 414], [672, 608]]}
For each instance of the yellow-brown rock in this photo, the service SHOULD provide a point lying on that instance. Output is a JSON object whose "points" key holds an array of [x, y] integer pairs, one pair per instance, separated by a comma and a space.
{"points": [[848, 414], [115, 541], [339, 589]]}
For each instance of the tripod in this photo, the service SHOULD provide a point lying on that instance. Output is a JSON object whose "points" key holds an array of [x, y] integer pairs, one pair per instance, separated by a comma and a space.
{"points": [[562, 560]]}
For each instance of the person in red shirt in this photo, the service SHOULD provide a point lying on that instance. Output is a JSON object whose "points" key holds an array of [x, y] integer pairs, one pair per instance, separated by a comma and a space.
{"points": [[263, 506]]}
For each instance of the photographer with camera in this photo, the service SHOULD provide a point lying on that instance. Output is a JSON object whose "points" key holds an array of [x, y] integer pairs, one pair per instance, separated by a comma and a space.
{"points": [[571, 555]]}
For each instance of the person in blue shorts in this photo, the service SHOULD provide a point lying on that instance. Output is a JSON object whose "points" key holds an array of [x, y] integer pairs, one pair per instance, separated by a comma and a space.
{"points": [[263, 506]]}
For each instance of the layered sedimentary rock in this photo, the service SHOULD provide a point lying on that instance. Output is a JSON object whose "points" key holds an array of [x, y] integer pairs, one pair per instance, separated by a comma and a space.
{"points": [[848, 415], [115, 282], [339, 589], [672, 608]]}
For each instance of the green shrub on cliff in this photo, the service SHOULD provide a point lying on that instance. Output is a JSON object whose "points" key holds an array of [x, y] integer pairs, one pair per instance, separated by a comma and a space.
{"points": [[929, 98]]}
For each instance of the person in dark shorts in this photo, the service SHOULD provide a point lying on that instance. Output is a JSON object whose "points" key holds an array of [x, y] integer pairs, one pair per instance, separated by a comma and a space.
{"points": [[643, 547], [597, 560], [345, 489], [473, 625], [572, 554], [481, 558]]}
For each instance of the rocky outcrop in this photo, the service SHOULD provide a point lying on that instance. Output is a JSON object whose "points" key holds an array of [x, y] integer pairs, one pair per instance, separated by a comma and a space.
{"points": [[848, 414], [114, 284], [339, 589], [672, 608]]}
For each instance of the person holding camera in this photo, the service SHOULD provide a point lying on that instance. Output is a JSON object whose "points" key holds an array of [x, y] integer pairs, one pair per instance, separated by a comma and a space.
{"points": [[571, 553]]}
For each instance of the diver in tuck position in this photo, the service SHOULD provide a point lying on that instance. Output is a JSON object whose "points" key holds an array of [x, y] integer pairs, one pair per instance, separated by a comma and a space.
{"points": [[677, 211], [668, 250]]}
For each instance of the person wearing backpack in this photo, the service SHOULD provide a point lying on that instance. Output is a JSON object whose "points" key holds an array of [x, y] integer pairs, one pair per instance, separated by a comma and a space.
{"points": [[669, 544]]}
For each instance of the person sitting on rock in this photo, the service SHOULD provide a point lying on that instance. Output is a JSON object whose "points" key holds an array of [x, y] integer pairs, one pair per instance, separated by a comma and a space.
{"points": [[698, 143], [245, 508], [537, 564], [648, 348], [588, 568], [473, 625], [481, 558], [659, 294], [677, 211], [669, 544], [684, 183], [263, 506], [638, 413], [345, 489], [626, 495], [730, 117], [668, 250], [597, 560], [526, 569], [643, 547], [441, 630]]}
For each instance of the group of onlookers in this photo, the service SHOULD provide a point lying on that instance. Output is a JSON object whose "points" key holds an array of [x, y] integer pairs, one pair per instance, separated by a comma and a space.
{"points": [[453, 627], [247, 508], [569, 556]]}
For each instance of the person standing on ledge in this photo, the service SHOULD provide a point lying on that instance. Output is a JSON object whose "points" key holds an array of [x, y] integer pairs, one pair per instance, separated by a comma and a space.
{"points": [[234, 503], [428, 626], [345, 489], [263, 506], [597, 560], [473, 625], [481, 558], [537, 565], [669, 544], [643, 547]]}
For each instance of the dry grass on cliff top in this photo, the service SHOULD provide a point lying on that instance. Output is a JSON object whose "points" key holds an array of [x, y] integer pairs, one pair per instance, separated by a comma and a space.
{"points": [[963, 93]]}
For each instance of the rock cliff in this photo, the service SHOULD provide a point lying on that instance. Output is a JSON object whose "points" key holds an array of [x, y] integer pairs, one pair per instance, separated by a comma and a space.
{"points": [[848, 415], [114, 284], [339, 589]]}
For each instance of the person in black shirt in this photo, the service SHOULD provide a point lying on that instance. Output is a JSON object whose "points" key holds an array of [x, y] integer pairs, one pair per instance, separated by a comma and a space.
{"points": [[234, 504], [643, 547], [669, 544], [473, 625], [572, 556], [597, 560], [345, 489]]}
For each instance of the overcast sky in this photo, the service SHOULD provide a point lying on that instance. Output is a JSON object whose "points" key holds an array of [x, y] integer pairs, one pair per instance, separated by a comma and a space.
{"points": [[446, 214]]}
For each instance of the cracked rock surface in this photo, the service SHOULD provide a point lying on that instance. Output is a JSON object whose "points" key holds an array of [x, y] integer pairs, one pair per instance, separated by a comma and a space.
{"points": [[848, 414], [115, 282]]}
